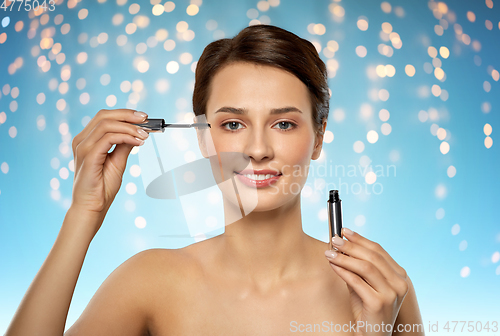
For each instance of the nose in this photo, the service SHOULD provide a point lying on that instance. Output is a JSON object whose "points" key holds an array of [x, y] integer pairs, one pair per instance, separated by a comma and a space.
{"points": [[258, 145]]}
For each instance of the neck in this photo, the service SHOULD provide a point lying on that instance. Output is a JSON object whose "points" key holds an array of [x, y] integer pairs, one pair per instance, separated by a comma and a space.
{"points": [[267, 247]]}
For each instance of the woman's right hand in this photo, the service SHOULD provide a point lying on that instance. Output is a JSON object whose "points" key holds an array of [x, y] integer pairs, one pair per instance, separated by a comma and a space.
{"points": [[98, 174]]}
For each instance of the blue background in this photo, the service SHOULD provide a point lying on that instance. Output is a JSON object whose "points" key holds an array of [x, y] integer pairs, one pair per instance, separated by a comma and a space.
{"points": [[410, 211]]}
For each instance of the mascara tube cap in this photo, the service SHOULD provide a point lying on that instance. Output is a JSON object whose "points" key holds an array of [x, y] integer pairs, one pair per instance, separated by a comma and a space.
{"points": [[153, 125]]}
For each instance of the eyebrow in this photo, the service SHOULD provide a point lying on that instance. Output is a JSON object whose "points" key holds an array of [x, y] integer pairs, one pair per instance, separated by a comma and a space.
{"points": [[237, 110]]}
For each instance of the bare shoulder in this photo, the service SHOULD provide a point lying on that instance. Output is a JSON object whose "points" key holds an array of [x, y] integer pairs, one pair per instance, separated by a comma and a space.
{"points": [[133, 293], [170, 272], [185, 257], [153, 264], [165, 267], [161, 257]]}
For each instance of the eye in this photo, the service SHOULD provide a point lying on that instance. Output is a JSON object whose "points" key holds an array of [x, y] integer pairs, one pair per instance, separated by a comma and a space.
{"points": [[290, 125], [231, 124]]}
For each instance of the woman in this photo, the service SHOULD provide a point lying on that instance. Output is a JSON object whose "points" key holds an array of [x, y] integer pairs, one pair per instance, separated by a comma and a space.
{"points": [[265, 94]]}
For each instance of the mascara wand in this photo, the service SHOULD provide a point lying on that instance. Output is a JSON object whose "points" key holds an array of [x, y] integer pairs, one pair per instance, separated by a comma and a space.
{"points": [[159, 125]]}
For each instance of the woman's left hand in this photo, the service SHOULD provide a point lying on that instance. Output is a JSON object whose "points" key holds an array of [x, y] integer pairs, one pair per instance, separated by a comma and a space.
{"points": [[377, 284]]}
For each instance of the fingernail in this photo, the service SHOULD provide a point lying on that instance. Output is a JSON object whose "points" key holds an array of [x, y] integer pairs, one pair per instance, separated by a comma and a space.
{"points": [[348, 231], [141, 115], [142, 141], [330, 254], [337, 241], [142, 132]]}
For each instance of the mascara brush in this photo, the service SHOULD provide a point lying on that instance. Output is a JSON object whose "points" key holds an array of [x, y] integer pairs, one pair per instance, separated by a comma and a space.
{"points": [[159, 125]]}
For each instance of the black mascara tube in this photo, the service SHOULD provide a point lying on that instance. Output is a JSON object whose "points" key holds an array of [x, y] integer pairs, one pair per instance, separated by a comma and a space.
{"points": [[334, 215]]}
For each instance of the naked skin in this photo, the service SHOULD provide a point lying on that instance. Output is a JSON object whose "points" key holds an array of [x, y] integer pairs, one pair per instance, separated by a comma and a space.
{"points": [[209, 299]]}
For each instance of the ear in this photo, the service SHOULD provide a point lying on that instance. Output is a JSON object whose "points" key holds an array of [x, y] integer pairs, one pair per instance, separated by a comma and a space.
{"points": [[201, 140], [319, 142]]}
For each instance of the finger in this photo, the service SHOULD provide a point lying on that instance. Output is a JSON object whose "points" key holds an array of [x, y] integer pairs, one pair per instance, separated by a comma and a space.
{"points": [[363, 253], [119, 155], [364, 269], [374, 253], [110, 126], [364, 291], [357, 238], [116, 114], [99, 152], [106, 126]]}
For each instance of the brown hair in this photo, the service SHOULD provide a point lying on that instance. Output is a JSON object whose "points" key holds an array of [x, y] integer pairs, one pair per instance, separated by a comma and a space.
{"points": [[265, 45]]}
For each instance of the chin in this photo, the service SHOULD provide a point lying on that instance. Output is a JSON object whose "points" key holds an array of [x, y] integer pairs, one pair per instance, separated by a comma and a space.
{"points": [[273, 198]]}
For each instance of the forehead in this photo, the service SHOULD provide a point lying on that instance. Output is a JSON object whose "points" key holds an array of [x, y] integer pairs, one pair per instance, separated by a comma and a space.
{"points": [[257, 86]]}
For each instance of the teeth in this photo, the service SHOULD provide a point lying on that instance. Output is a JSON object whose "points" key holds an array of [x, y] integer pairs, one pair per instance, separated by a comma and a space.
{"points": [[258, 177]]}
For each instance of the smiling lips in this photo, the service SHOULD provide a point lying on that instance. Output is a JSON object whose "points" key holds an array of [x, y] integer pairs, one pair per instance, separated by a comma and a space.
{"points": [[258, 178]]}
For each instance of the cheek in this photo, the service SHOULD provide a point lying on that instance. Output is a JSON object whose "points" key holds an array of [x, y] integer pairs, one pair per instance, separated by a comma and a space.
{"points": [[296, 153], [297, 150], [225, 142]]}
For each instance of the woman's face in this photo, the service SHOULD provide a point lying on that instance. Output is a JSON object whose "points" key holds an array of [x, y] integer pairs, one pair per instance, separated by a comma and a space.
{"points": [[240, 110]]}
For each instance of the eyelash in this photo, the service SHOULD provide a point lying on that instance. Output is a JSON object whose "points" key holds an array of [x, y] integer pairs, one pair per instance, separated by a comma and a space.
{"points": [[294, 125]]}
